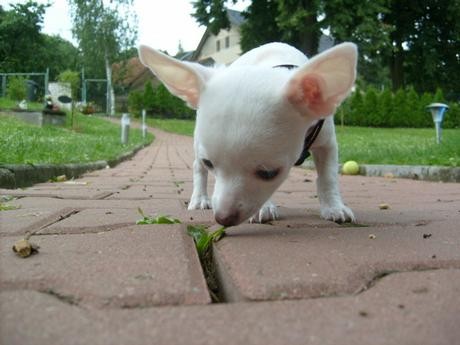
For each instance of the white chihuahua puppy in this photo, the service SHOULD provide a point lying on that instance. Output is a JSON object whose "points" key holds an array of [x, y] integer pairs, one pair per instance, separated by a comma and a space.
{"points": [[252, 120]]}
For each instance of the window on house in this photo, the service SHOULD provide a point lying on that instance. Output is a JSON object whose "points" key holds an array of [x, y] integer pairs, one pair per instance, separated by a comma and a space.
{"points": [[227, 42], [218, 45]]}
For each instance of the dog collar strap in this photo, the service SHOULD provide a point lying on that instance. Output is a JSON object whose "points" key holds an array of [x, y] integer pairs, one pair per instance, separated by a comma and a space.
{"points": [[312, 133], [286, 66]]}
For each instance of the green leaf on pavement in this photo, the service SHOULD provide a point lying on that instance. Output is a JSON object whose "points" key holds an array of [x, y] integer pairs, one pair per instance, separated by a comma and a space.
{"points": [[203, 238], [161, 219]]}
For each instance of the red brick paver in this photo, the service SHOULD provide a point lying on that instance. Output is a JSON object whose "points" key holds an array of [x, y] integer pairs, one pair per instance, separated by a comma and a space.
{"points": [[393, 278]]}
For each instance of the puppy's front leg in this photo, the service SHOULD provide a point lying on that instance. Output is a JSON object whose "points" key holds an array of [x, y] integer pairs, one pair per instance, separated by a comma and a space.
{"points": [[326, 162], [267, 212], [199, 199]]}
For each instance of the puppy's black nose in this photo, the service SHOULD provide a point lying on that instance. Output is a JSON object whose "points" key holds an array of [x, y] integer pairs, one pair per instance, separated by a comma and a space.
{"points": [[228, 219]]}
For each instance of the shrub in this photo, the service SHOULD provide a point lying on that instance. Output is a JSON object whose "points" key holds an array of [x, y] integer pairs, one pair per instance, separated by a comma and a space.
{"points": [[135, 102], [405, 108], [73, 78], [149, 101], [159, 102], [17, 88]]}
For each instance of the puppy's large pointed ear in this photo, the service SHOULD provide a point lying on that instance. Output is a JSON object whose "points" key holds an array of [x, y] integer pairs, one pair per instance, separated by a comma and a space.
{"points": [[186, 80], [319, 87]]}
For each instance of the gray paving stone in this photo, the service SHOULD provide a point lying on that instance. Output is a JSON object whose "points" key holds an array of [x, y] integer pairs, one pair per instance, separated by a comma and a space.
{"points": [[138, 266], [404, 308]]}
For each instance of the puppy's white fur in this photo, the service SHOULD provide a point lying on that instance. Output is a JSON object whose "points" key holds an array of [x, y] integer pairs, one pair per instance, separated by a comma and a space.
{"points": [[252, 120]]}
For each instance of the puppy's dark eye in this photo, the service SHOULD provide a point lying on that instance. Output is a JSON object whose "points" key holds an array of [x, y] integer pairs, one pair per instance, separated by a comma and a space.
{"points": [[208, 163], [267, 175]]}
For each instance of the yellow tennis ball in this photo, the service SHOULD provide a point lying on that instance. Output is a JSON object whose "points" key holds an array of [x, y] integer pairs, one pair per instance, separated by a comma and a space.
{"points": [[350, 168]]}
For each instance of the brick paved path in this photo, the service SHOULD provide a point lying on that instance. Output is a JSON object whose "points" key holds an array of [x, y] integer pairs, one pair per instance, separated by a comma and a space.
{"points": [[100, 279]]}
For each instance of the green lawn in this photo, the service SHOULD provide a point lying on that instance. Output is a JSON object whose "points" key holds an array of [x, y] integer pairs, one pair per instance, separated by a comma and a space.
{"points": [[184, 127], [95, 139], [402, 146], [6, 103]]}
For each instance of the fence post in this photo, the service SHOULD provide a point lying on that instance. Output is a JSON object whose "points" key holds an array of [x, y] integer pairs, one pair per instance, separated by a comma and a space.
{"points": [[144, 126], [125, 122], [83, 86], [3, 85], [47, 76]]}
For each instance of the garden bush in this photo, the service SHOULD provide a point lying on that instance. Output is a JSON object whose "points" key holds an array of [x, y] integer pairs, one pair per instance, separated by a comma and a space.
{"points": [[135, 103], [17, 88], [73, 78], [158, 102], [405, 108]]}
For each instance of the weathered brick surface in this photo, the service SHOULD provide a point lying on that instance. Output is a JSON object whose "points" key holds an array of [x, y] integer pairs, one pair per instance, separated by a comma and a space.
{"points": [[263, 262], [138, 266], [99, 279], [420, 308]]}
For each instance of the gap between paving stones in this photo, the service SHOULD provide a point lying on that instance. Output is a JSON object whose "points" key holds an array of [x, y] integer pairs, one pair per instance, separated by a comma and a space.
{"points": [[225, 291], [212, 263], [212, 270]]}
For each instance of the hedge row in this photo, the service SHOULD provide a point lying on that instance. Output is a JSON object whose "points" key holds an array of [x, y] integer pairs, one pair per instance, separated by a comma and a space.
{"points": [[158, 102], [367, 108], [405, 108]]}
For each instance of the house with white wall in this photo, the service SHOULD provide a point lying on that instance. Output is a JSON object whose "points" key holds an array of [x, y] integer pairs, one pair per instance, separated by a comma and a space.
{"points": [[224, 48]]}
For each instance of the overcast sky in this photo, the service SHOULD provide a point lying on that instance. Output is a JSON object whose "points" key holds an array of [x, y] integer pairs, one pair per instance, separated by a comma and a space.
{"points": [[162, 23]]}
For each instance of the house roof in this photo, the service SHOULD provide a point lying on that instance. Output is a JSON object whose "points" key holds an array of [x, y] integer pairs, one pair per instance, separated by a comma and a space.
{"points": [[235, 17], [185, 56]]}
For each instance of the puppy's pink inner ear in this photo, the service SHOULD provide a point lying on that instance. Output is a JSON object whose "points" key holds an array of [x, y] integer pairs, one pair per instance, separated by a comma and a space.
{"points": [[307, 93], [310, 86]]}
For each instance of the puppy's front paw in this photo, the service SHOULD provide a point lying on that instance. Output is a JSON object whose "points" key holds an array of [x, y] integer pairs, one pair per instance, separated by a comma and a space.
{"points": [[200, 202], [267, 212], [338, 214]]}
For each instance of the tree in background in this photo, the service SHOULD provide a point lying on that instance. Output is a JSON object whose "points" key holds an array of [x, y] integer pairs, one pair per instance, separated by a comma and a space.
{"points": [[24, 49], [103, 32], [259, 27], [58, 55], [20, 37], [401, 42], [430, 52]]}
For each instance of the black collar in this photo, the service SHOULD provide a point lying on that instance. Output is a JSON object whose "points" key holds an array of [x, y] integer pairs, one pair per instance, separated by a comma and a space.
{"points": [[286, 66], [312, 132], [310, 137]]}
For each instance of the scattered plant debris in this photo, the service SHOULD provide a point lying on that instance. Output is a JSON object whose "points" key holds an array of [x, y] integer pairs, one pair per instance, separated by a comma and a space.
{"points": [[60, 178], [3, 203], [5, 207], [24, 248], [203, 238], [78, 183], [363, 313], [161, 219]]}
